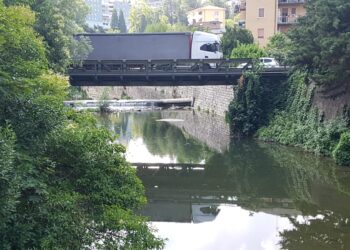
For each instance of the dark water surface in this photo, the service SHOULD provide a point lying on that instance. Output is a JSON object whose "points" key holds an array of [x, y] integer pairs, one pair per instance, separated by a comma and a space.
{"points": [[232, 194]]}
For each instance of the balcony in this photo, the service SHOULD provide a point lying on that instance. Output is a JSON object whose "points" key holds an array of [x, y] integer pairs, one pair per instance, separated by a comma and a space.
{"points": [[288, 19], [243, 5], [291, 1]]}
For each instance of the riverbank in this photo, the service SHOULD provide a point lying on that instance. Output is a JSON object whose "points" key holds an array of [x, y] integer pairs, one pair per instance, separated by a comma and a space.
{"points": [[291, 113]]}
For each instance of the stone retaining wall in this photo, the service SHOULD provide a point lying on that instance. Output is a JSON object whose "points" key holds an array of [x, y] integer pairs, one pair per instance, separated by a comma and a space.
{"points": [[212, 99], [207, 128]]}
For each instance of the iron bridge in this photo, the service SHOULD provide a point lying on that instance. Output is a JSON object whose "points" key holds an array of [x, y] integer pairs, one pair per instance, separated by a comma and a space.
{"points": [[189, 72]]}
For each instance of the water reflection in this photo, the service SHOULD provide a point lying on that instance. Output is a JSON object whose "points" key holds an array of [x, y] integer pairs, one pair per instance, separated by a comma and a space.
{"points": [[148, 138], [251, 195]]}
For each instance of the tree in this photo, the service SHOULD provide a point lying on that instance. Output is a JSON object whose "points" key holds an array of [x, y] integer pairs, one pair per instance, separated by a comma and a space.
{"points": [[279, 47], [24, 58], [248, 51], [175, 11], [121, 22], [321, 41], [142, 15], [233, 37], [114, 20], [57, 22], [63, 183], [157, 27]]}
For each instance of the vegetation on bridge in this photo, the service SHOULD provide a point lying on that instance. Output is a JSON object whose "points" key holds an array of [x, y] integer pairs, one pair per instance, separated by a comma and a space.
{"points": [[63, 184]]}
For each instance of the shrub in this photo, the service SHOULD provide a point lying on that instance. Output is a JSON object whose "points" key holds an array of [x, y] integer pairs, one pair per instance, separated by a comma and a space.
{"points": [[341, 152]]}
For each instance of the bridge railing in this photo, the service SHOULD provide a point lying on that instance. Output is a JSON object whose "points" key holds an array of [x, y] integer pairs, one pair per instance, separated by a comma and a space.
{"points": [[160, 66]]}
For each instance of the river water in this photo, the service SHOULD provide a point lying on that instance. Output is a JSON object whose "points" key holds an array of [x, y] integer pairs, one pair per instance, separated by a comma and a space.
{"points": [[218, 193]]}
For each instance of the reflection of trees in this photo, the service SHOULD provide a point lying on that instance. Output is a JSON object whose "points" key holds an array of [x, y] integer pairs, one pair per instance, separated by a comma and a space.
{"points": [[116, 122], [302, 170], [162, 139], [252, 172], [332, 231]]}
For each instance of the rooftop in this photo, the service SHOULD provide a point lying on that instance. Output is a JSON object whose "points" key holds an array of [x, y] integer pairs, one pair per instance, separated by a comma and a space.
{"points": [[208, 7]]}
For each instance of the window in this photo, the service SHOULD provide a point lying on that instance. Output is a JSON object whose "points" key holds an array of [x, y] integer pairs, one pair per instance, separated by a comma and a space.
{"points": [[261, 12], [294, 11], [211, 47], [260, 33], [200, 13]]}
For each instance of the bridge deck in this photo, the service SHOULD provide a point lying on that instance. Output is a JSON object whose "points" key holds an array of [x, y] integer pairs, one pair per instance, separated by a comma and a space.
{"points": [[164, 72]]}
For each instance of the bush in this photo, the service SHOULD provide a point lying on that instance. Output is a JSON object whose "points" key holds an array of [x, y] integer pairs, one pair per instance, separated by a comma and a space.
{"points": [[248, 51], [341, 152], [300, 124]]}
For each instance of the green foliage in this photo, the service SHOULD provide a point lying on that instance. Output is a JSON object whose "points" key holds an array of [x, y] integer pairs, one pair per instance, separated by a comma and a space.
{"points": [[9, 191], [301, 125], [76, 93], [279, 47], [142, 15], [174, 11], [248, 51], [233, 37], [103, 104], [254, 102], [321, 41], [57, 22], [341, 152], [166, 27], [157, 27], [114, 20], [121, 22], [59, 173], [245, 111], [21, 51]]}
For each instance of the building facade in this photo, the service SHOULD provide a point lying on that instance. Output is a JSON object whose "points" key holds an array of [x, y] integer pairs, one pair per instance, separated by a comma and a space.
{"points": [[266, 18], [100, 13], [94, 18], [125, 7], [209, 18]]}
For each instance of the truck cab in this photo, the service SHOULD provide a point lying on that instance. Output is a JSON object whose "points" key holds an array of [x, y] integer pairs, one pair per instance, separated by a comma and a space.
{"points": [[205, 46]]}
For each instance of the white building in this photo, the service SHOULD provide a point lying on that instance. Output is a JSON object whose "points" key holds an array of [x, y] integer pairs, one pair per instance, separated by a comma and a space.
{"points": [[100, 13], [94, 18]]}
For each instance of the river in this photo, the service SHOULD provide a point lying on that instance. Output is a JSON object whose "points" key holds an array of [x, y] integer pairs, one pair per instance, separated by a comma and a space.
{"points": [[218, 193]]}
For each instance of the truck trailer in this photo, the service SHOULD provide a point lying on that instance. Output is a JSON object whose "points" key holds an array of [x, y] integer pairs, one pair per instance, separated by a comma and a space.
{"points": [[154, 46]]}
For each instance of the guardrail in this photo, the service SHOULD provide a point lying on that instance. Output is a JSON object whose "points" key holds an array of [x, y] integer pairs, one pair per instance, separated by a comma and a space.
{"points": [[161, 72], [160, 66]]}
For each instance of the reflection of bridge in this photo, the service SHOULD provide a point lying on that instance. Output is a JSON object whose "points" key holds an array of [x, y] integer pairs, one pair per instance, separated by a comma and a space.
{"points": [[164, 72], [176, 195], [174, 166]]}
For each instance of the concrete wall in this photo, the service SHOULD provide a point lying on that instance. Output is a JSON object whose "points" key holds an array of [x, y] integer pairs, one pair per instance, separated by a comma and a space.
{"points": [[212, 99]]}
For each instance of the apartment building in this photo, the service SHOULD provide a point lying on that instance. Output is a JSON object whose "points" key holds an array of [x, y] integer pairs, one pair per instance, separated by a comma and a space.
{"points": [[100, 13], [94, 18], [266, 18], [288, 13], [209, 18]]}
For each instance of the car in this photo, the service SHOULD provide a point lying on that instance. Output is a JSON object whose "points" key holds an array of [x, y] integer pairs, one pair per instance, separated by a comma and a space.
{"points": [[267, 62]]}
